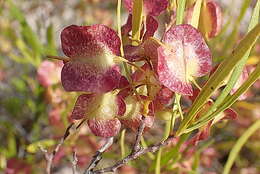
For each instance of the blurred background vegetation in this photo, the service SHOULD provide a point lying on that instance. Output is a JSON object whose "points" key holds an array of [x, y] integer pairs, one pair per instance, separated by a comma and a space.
{"points": [[31, 112]]}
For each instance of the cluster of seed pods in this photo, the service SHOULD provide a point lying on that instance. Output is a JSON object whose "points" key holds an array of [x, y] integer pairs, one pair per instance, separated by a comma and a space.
{"points": [[162, 68]]}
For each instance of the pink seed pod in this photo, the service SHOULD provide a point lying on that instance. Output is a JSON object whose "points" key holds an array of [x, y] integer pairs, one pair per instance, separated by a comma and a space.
{"points": [[91, 50], [210, 18], [49, 72], [101, 111], [133, 115], [185, 55]]}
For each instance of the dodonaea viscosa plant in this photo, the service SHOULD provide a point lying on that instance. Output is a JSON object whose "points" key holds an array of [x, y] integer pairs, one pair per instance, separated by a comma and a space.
{"points": [[161, 68]]}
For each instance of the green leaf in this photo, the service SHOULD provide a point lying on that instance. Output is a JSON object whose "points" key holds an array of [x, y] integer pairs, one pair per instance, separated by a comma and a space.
{"points": [[239, 144], [158, 162], [255, 16], [34, 147], [243, 10], [29, 37], [196, 14], [11, 145], [231, 99], [51, 47], [167, 131], [122, 143], [238, 69], [196, 162], [180, 11], [19, 84], [231, 39], [137, 20], [13, 105], [242, 89], [27, 54], [219, 75]]}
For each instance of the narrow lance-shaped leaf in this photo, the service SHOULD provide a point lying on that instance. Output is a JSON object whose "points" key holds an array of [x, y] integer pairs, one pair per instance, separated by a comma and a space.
{"points": [[196, 14], [51, 47], [230, 41], [137, 20], [239, 144], [219, 75], [230, 100], [243, 88], [238, 69], [27, 33], [180, 11]]}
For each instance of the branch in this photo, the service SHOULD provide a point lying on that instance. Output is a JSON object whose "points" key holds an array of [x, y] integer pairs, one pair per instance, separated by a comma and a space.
{"points": [[139, 135], [72, 128], [49, 157], [74, 163], [134, 155], [97, 157], [136, 152]]}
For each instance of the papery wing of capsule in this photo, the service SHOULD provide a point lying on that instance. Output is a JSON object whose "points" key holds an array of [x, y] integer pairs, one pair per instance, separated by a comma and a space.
{"points": [[78, 76], [125, 88], [96, 105], [134, 124], [86, 41], [151, 26], [133, 115], [151, 7], [185, 55], [132, 53], [91, 67], [49, 72], [216, 15], [101, 111], [123, 83], [127, 27], [139, 75], [145, 75], [203, 134], [83, 106], [163, 98], [148, 48], [104, 128], [242, 78], [135, 53], [230, 114], [211, 19]]}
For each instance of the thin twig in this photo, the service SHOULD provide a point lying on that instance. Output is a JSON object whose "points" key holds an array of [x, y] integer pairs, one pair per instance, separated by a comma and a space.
{"points": [[74, 163], [136, 152], [135, 155], [139, 135], [97, 157], [47, 158], [50, 156]]}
